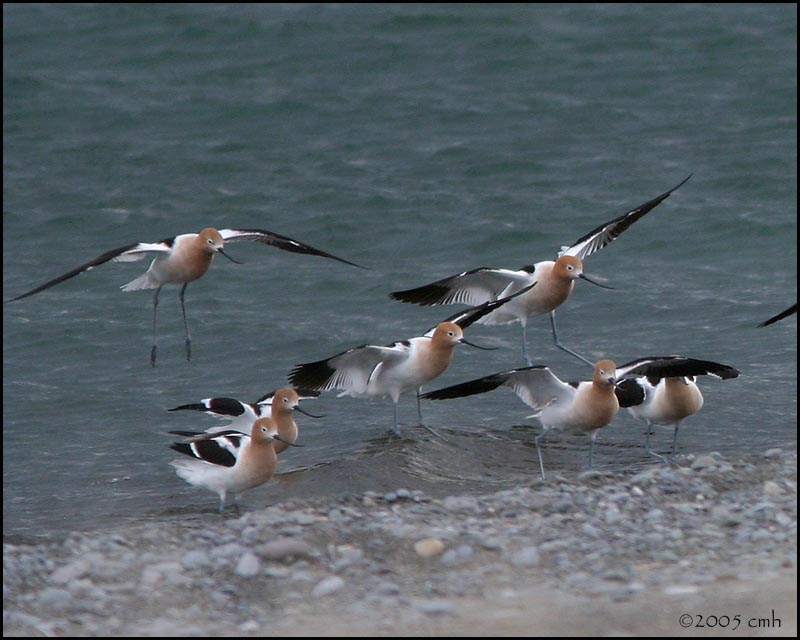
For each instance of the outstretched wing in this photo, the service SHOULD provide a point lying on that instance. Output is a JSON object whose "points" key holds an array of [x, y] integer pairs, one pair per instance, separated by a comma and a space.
{"points": [[469, 287], [279, 241], [536, 386], [350, 370], [780, 316], [609, 231], [128, 253], [470, 316], [675, 367]]}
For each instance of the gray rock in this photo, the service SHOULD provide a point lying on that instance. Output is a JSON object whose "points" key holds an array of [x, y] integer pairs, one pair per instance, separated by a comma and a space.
{"points": [[527, 557], [286, 550], [248, 565], [327, 586]]}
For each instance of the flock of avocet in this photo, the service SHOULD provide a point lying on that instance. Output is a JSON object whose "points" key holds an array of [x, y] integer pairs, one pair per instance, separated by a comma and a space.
{"points": [[243, 453]]}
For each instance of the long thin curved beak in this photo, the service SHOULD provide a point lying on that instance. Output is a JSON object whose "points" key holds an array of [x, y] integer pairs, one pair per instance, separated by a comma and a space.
{"points": [[228, 257], [477, 346], [583, 276], [286, 442], [306, 413]]}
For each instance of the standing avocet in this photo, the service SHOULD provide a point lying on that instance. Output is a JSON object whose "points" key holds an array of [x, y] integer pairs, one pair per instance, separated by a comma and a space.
{"points": [[578, 407], [229, 461], [575, 407], [181, 260], [373, 370], [555, 279], [658, 398]]}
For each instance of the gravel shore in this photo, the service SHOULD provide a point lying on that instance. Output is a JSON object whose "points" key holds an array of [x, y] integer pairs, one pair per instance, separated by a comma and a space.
{"points": [[704, 547]]}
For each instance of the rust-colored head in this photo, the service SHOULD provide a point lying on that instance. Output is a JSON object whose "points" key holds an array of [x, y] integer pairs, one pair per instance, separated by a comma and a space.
{"points": [[285, 400], [211, 240], [568, 268], [447, 334], [605, 372]]}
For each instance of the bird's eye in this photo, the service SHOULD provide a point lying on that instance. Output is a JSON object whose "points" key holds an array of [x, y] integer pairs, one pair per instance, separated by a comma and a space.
{"points": [[570, 267]]}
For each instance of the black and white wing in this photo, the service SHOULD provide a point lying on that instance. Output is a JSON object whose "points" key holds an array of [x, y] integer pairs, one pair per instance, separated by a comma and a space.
{"points": [[470, 316], [128, 253], [350, 370], [221, 448], [609, 231], [469, 287], [277, 240], [241, 415], [657, 367], [536, 386]]}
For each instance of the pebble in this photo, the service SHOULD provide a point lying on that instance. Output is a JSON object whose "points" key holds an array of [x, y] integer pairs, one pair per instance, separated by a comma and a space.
{"points": [[327, 586], [428, 547], [609, 536], [248, 565], [527, 557]]}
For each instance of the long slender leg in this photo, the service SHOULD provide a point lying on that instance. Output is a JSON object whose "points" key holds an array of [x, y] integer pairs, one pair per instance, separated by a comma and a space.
{"points": [[396, 425], [525, 344], [538, 442], [222, 500], [675, 440], [556, 342], [647, 448], [155, 313], [430, 430], [185, 323]]}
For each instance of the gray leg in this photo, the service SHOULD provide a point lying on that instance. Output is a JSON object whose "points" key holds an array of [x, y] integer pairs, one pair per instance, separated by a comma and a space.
{"points": [[430, 430], [675, 440], [525, 344], [221, 501], [647, 448], [396, 426], [155, 313], [538, 442], [591, 448], [186, 324], [552, 315]]}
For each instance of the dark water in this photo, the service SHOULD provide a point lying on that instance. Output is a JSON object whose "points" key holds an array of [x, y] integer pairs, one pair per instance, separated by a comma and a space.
{"points": [[418, 140]]}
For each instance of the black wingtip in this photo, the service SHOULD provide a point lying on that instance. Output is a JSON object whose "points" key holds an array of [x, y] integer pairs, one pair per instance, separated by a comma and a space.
{"points": [[783, 314], [189, 407]]}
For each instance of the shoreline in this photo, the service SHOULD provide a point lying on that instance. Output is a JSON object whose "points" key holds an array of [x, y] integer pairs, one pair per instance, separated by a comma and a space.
{"points": [[595, 553]]}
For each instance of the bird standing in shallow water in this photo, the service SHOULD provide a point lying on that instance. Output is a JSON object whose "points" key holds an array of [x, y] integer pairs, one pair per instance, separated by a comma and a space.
{"points": [[555, 280], [581, 407], [576, 407], [181, 260], [373, 370]]}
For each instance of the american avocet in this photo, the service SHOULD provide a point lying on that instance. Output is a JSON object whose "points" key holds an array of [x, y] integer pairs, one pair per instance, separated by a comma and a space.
{"points": [[556, 280], [667, 393], [181, 260], [229, 461], [241, 415], [576, 407], [372, 370], [783, 314], [580, 407]]}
